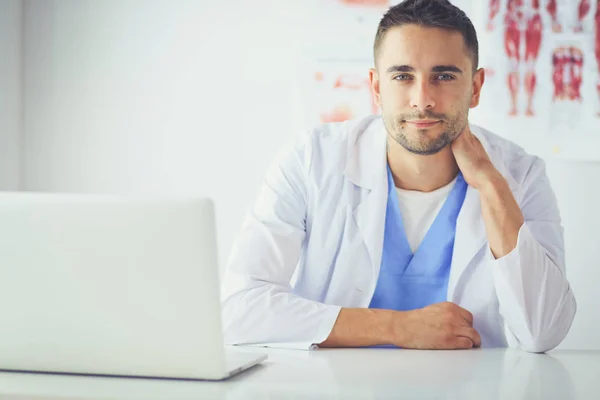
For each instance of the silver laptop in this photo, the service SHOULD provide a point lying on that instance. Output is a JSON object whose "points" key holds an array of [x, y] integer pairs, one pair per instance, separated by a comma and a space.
{"points": [[109, 285]]}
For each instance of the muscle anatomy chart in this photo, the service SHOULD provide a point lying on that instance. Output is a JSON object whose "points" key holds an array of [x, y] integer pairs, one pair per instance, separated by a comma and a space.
{"points": [[342, 93], [568, 15], [522, 30], [567, 73], [542, 73], [534, 45]]}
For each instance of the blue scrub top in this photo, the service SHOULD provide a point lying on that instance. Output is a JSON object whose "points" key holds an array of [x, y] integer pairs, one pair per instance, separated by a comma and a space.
{"points": [[410, 281]]}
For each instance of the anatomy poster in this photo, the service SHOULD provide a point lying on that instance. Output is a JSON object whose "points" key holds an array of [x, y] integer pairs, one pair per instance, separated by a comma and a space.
{"points": [[542, 62], [357, 7], [347, 24], [335, 77], [340, 90]]}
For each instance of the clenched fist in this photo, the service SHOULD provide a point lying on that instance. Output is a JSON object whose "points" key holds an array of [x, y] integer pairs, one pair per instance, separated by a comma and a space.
{"points": [[438, 326]]}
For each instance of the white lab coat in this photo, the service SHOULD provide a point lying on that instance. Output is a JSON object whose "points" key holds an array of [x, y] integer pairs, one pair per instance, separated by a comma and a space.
{"points": [[313, 243]]}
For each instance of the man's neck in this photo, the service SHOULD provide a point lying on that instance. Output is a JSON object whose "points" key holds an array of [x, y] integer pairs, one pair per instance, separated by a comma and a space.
{"points": [[421, 173]]}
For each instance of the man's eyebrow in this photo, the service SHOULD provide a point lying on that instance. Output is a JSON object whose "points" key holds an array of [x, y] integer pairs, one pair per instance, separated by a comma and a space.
{"points": [[446, 68], [400, 68], [437, 68]]}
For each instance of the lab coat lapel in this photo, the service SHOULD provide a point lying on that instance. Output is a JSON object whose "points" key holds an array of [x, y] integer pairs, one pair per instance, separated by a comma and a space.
{"points": [[366, 168], [469, 238]]}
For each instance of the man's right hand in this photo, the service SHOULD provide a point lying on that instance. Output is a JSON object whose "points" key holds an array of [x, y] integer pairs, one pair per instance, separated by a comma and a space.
{"points": [[438, 326]]}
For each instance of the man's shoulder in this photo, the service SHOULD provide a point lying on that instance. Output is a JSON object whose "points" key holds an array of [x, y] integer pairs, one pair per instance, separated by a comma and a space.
{"points": [[506, 155], [323, 147], [338, 133], [330, 143], [496, 142]]}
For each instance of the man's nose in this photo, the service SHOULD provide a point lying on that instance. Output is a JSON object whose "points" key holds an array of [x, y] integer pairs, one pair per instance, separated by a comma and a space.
{"points": [[421, 96]]}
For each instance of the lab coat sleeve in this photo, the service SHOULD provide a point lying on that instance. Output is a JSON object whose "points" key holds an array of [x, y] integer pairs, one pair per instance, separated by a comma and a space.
{"points": [[535, 298], [258, 305]]}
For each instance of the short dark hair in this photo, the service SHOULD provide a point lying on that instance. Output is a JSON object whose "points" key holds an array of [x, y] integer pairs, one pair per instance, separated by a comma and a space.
{"points": [[429, 13]]}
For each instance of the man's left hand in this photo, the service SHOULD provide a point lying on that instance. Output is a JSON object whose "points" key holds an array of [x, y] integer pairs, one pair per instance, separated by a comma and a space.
{"points": [[472, 160], [501, 213]]}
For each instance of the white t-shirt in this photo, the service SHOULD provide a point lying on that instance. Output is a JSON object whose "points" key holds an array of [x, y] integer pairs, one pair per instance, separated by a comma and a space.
{"points": [[419, 210]]}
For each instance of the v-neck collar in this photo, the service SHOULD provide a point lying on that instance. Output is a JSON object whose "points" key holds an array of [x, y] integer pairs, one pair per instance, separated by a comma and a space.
{"points": [[444, 224]]}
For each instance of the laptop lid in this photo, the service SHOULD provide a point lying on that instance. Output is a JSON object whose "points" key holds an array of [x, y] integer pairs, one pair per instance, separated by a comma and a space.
{"points": [[108, 285]]}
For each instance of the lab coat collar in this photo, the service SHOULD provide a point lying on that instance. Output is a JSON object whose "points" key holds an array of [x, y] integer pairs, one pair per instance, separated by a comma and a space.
{"points": [[366, 154], [366, 166]]}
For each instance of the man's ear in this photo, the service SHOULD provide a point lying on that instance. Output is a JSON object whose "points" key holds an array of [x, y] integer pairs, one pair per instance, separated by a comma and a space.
{"points": [[478, 79], [374, 82]]}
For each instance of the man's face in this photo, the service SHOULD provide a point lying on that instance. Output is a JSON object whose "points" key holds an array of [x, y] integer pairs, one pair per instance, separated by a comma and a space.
{"points": [[424, 84]]}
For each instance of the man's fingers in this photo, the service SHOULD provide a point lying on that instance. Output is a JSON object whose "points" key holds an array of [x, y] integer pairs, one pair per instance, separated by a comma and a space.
{"points": [[465, 314], [469, 333], [462, 342]]}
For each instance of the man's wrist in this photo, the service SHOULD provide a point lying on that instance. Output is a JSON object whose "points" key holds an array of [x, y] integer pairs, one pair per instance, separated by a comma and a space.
{"points": [[393, 322], [501, 214], [493, 184]]}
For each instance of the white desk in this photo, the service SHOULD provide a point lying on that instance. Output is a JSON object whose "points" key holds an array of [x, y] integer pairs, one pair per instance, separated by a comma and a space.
{"points": [[352, 373]]}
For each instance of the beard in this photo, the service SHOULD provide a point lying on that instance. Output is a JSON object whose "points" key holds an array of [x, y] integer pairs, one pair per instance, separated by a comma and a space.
{"points": [[423, 145]]}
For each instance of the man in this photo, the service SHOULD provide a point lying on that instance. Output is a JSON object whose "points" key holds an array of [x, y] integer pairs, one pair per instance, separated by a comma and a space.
{"points": [[412, 229]]}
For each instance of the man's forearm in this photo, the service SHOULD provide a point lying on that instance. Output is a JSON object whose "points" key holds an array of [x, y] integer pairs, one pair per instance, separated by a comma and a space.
{"points": [[501, 214], [438, 326], [361, 327]]}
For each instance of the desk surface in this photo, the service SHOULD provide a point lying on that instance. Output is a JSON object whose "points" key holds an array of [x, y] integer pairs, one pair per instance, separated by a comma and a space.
{"points": [[350, 373]]}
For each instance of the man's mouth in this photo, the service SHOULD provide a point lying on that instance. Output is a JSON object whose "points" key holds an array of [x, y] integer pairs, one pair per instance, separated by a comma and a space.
{"points": [[423, 123]]}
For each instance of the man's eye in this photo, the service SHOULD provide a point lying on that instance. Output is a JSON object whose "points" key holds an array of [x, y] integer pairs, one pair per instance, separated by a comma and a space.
{"points": [[445, 77], [402, 77]]}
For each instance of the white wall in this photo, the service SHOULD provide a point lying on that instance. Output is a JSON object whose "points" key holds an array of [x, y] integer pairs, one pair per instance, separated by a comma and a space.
{"points": [[159, 96], [10, 93], [196, 97], [578, 193]]}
